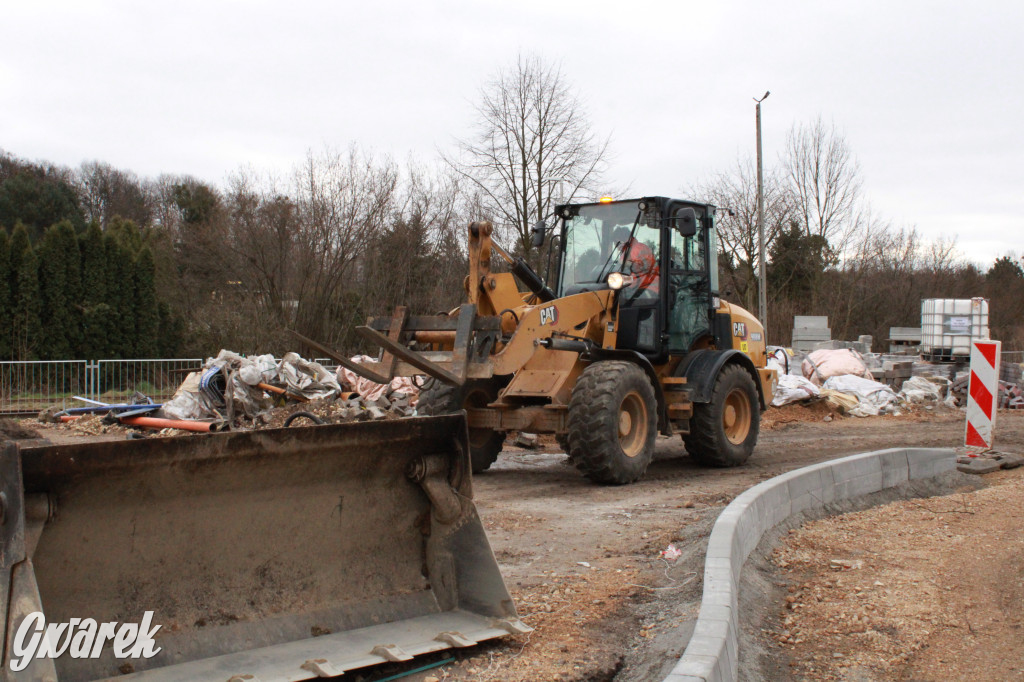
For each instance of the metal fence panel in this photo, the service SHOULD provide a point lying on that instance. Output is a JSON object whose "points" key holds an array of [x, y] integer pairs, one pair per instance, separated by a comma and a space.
{"points": [[35, 385], [118, 380]]}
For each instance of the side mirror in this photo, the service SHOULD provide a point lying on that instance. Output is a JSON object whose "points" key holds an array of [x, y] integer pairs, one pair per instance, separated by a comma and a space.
{"points": [[537, 233], [686, 221]]}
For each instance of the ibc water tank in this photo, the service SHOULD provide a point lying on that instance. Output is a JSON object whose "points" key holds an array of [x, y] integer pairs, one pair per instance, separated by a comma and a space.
{"points": [[948, 325]]}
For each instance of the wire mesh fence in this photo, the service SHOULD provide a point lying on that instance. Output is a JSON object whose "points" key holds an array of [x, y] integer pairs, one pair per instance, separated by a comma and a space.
{"points": [[27, 387]]}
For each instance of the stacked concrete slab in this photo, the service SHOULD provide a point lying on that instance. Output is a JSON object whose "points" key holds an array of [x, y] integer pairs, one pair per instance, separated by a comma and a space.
{"points": [[713, 652], [904, 340], [809, 331]]}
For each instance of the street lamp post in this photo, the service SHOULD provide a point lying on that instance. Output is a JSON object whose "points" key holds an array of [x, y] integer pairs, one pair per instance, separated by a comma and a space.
{"points": [[762, 285]]}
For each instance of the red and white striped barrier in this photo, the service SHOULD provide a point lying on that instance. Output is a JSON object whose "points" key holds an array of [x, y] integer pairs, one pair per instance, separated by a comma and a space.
{"points": [[982, 394]]}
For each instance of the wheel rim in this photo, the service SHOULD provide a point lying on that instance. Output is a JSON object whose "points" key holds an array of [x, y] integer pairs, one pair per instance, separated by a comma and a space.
{"points": [[632, 424], [736, 416]]}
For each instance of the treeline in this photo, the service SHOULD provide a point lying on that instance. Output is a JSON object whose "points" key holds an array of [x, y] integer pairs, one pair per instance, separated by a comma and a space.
{"points": [[829, 253], [99, 263], [82, 295]]}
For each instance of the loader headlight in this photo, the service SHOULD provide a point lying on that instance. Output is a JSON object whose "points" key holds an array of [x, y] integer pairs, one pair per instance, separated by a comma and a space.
{"points": [[617, 280]]}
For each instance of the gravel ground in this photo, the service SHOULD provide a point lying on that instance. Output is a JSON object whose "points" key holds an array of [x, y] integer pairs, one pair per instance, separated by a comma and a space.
{"points": [[584, 564], [921, 589]]}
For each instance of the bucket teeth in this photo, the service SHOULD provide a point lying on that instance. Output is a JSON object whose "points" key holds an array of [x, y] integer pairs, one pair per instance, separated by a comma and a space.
{"points": [[322, 667], [456, 639], [391, 652], [513, 627]]}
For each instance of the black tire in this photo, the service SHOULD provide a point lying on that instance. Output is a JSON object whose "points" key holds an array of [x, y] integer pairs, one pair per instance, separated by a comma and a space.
{"points": [[612, 422], [723, 433], [442, 398], [563, 442]]}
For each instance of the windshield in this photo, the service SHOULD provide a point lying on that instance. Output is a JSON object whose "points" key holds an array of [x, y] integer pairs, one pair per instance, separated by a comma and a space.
{"points": [[591, 238]]}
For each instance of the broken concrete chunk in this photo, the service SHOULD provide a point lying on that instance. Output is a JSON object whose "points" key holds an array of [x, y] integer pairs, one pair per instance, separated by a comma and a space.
{"points": [[979, 465], [526, 440]]}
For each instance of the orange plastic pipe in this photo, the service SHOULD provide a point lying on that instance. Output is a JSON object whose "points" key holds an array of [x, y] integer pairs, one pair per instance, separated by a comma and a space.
{"points": [[184, 425], [281, 391]]}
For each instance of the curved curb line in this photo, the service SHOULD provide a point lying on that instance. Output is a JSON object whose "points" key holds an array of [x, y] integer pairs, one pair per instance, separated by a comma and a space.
{"points": [[713, 651]]}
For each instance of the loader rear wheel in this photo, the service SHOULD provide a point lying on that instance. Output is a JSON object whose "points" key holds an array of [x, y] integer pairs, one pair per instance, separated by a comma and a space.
{"points": [[441, 398], [612, 422], [723, 432]]}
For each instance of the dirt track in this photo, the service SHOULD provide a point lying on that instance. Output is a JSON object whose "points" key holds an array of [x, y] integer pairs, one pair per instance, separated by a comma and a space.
{"points": [[582, 561]]}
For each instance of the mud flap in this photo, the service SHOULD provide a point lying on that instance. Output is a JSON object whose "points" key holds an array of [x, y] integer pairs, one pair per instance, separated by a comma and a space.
{"points": [[285, 554]]}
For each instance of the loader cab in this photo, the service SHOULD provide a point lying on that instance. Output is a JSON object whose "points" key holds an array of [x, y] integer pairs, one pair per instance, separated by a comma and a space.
{"points": [[665, 248]]}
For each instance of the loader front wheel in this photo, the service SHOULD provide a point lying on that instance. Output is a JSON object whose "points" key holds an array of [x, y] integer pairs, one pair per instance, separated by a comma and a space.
{"points": [[724, 431], [441, 398], [612, 422]]}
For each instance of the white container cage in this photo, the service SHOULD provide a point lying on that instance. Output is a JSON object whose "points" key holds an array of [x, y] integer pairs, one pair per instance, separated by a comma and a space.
{"points": [[949, 325]]}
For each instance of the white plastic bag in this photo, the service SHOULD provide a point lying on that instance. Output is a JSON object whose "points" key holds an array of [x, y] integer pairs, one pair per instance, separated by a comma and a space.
{"points": [[873, 397], [791, 389]]}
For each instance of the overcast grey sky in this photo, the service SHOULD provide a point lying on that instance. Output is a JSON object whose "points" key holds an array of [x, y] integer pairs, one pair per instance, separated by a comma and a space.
{"points": [[928, 94]]}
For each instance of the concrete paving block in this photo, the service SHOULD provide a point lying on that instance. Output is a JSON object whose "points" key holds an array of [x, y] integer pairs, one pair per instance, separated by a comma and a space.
{"points": [[925, 462], [855, 467], [672, 677], [720, 543], [895, 468], [711, 628], [718, 612], [749, 535], [723, 567], [706, 646], [773, 497], [695, 665], [863, 485], [723, 668]]}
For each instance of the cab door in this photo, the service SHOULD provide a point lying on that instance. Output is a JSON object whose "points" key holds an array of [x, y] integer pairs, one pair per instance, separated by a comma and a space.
{"points": [[689, 282]]}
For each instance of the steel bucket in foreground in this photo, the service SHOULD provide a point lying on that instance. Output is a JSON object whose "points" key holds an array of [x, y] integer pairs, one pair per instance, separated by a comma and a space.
{"points": [[285, 554]]}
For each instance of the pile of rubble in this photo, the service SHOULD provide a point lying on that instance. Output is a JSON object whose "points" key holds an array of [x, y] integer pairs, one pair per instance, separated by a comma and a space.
{"points": [[847, 381], [235, 392], [1011, 394]]}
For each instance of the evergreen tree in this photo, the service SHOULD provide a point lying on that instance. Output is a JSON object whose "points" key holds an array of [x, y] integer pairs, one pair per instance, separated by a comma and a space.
{"points": [[38, 199], [98, 322], [172, 332], [26, 329], [120, 288], [5, 295], [60, 285], [147, 316]]}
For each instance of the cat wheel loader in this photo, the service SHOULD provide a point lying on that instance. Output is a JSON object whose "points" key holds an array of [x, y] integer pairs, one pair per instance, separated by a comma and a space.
{"points": [[630, 339]]}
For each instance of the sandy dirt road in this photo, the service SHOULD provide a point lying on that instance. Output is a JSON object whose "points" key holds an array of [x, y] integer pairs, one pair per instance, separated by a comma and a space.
{"points": [[582, 561]]}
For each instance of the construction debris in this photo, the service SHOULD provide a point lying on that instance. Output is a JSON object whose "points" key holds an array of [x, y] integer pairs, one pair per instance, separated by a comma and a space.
{"points": [[821, 365]]}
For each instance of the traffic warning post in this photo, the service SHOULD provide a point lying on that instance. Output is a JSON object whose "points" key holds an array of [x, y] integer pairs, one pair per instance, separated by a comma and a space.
{"points": [[982, 394]]}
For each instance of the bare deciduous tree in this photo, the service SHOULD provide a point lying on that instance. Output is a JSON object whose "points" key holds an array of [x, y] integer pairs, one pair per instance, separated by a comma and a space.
{"points": [[735, 193], [825, 180], [531, 143], [106, 192]]}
